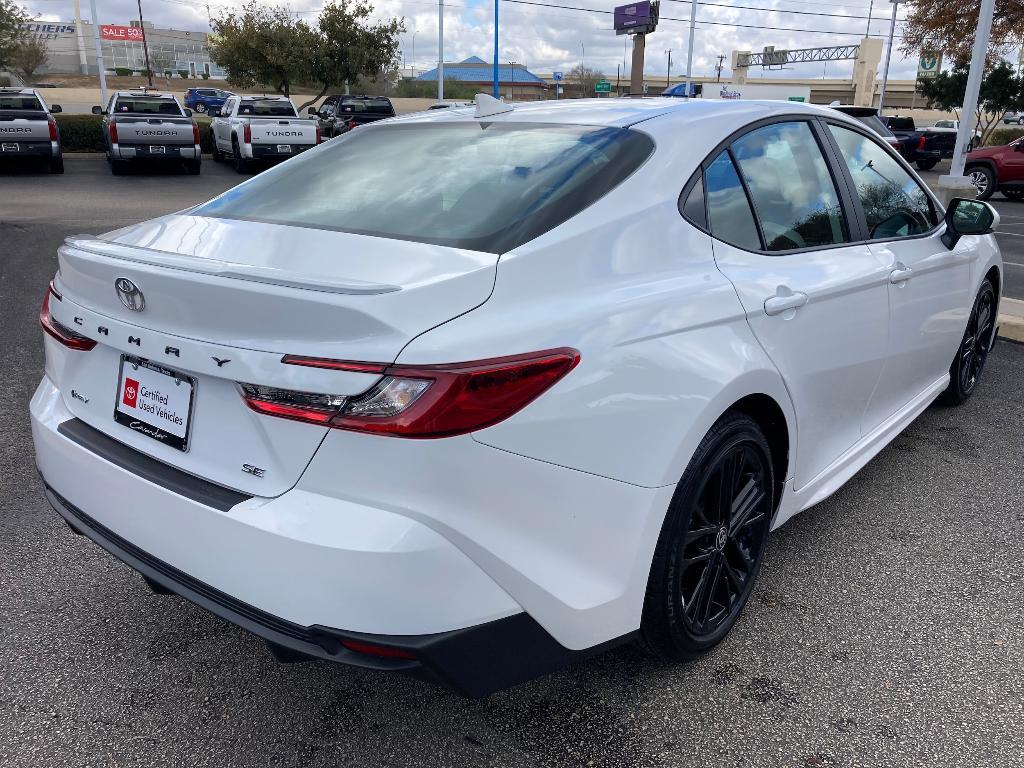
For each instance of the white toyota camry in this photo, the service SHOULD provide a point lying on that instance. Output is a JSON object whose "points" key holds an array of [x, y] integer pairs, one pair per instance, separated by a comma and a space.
{"points": [[472, 394]]}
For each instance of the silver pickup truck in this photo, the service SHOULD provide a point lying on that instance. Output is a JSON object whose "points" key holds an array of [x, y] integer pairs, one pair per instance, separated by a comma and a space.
{"points": [[149, 126], [27, 128], [252, 128]]}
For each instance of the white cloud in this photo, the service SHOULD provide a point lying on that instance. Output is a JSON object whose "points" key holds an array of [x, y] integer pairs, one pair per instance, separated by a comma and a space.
{"points": [[547, 38]]}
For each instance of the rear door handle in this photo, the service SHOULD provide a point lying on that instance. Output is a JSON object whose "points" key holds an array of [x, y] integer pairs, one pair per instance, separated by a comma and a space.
{"points": [[782, 302], [901, 274]]}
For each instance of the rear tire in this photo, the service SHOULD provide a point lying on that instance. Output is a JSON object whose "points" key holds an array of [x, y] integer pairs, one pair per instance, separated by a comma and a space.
{"points": [[194, 167], [926, 165], [241, 165], [1013, 194], [983, 179], [200, 107], [57, 165], [117, 167], [712, 542], [965, 372], [218, 156]]}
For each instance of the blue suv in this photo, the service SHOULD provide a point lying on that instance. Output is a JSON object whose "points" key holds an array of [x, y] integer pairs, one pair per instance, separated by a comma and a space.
{"points": [[201, 99]]}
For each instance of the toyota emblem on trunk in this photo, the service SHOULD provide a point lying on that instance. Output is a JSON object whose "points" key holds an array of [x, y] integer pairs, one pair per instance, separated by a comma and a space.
{"points": [[129, 294]]}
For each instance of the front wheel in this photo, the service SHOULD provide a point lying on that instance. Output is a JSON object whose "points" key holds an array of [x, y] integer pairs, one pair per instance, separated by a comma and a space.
{"points": [[926, 165], [200, 107], [712, 542], [983, 179], [970, 359], [57, 165]]}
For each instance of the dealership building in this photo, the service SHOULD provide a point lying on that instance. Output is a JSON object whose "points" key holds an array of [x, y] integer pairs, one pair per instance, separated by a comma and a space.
{"points": [[72, 48]]}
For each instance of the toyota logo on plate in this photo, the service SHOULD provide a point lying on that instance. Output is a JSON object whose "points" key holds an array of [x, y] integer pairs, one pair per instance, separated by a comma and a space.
{"points": [[129, 294]]}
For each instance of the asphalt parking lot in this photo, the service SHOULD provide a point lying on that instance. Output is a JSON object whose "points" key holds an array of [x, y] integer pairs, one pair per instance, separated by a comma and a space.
{"points": [[886, 628]]}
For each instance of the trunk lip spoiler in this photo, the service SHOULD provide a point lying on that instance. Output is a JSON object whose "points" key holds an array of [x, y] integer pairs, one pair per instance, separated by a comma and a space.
{"points": [[90, 244]]}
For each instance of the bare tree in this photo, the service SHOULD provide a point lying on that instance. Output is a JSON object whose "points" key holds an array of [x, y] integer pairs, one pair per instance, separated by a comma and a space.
{"points": [[28, 57], [585, 79]]}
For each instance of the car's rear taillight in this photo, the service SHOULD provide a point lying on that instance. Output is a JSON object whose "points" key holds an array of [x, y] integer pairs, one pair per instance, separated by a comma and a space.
{"points": [[61, 332], [351, 124], [420, 401], [920, 143], [195, 134], [53, 129], [113, 133], [247, 134], [319, 136]]}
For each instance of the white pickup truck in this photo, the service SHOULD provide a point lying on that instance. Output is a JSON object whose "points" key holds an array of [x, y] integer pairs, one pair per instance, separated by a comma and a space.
{"points": [[251, 128], [953, 126], [27, 128]]}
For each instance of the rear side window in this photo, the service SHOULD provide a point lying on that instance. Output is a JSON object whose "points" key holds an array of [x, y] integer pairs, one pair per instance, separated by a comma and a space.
{"points": [[692, 207], [729, 214], [874, 122], [894, 204], [477, 185], [20, 104], [791, 188]]}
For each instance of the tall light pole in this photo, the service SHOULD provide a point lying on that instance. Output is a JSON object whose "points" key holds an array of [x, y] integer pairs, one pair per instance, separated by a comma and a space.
{"points": [[689, 47], [99, 52], [668, 70], [974, 75], [440, 50], [494, 74], [583, 56], [145, 47], [414, 53], [80, 35], [513, 96], [888, 56], [871, 7]]}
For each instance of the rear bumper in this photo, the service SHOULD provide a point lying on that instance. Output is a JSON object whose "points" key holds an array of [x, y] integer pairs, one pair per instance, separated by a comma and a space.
{"points": [[171, 152], [476, 661], [270, 151], [15, 148]]}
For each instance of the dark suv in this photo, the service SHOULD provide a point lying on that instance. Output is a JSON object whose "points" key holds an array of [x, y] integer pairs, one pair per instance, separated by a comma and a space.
{"points": [[999, 168], [341, 113]]}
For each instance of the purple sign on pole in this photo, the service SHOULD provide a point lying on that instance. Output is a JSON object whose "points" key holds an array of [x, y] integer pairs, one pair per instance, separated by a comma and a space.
{"points": [[636, 18]]}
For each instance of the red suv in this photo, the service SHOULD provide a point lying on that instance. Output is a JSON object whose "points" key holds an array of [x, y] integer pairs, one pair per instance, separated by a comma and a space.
{"points": [[999, 168]]}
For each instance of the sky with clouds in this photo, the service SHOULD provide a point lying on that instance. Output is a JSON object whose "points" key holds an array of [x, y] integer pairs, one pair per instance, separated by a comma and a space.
{"points": [[548, 38]]}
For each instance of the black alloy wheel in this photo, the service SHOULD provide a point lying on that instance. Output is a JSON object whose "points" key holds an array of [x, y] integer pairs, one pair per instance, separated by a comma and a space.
{"points": [[965, 372], [200, 107], [712, 543], [983, 179], [1013, 194]]}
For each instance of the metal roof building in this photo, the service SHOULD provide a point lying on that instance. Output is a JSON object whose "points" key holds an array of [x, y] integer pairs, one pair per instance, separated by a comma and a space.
{"points": [[514, 80]]}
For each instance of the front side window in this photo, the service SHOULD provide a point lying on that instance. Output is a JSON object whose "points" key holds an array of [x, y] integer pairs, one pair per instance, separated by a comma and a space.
{"points": [[480, 185], [894, 204], [728, 209], [790, 185]]}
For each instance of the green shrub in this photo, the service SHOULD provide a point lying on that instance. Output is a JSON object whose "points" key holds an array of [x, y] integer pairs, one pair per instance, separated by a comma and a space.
{"points": [[84, 133], [122, 71], [182, 73], [206, 75], [5, 81], [1003, 136]]}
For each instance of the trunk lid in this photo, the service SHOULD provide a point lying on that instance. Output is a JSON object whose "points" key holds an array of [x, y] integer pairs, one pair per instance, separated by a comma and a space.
{"points": [[153, 130], [247, 293], [280, 130]]}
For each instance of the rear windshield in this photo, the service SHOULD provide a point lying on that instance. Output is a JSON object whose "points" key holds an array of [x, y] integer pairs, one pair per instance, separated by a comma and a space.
{"points": [[268, 108], [373, 106], [875, 124], [144, 106], [483, 186], [901, 123], [20, 103]]}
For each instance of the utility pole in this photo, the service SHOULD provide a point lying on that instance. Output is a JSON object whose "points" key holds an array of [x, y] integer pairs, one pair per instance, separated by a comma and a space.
{"points": [[888, 56], [871, 7], [513, 96], [689, 47], [495, 72], [145, 46], [99, 53], [414, 54], [668, 72], [440, 48], [718, 68]]}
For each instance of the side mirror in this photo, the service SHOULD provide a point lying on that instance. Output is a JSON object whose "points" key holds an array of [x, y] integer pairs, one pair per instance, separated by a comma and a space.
{"points": [[188, 112], [968, 217], [311, 110], [97, 110], [55, 109]]}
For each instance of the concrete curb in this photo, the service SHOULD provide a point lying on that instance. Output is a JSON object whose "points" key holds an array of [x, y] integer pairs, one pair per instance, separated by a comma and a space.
{"points": [[1011, 319]]}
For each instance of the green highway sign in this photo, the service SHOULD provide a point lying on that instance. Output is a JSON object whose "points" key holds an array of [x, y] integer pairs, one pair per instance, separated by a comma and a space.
{"points": [[603, 86]]}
